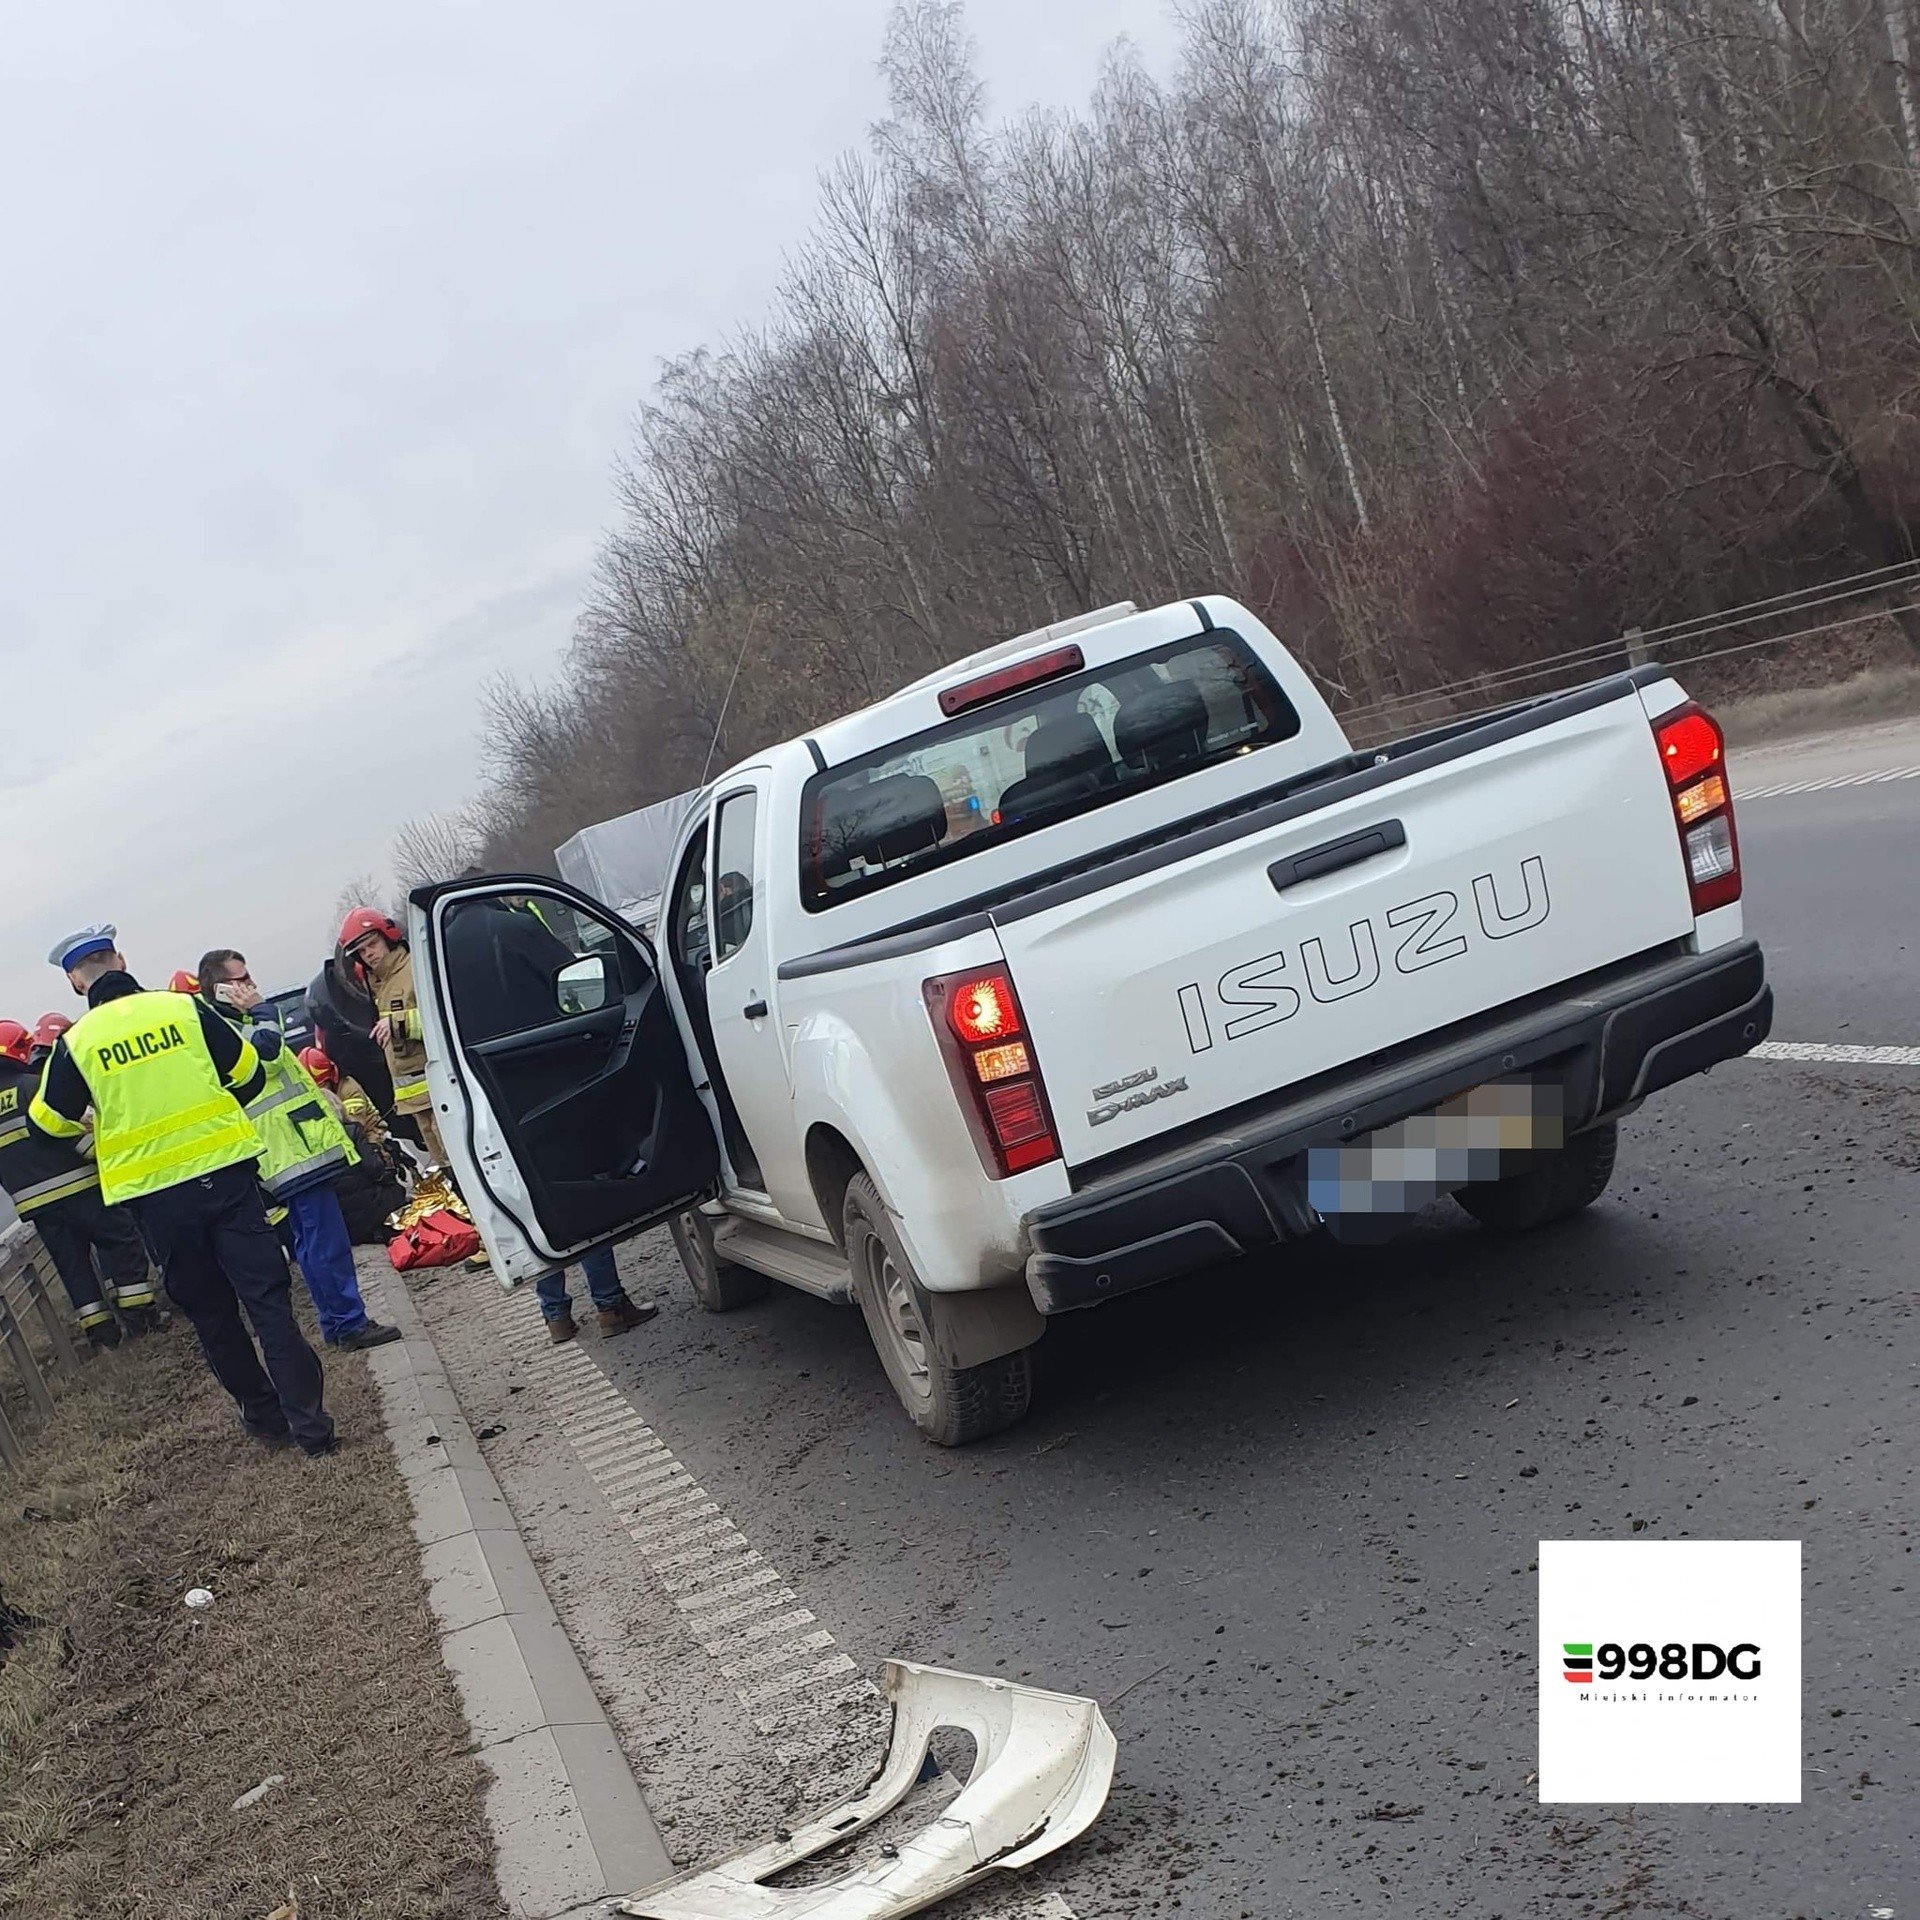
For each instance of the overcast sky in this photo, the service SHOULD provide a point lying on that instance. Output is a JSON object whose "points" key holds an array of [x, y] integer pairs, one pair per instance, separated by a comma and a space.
{"points": [[322, 327]]}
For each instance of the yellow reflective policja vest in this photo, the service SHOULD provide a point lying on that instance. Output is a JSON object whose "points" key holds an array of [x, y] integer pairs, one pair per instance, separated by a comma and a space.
{"points": [[161, 1114]]}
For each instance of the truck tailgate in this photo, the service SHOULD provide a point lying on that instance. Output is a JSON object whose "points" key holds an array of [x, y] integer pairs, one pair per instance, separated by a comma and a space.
{"points": [[1187, 986]]}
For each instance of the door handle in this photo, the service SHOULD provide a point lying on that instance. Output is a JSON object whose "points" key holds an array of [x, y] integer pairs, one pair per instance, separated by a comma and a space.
{"points": [[1347, 851], [755, 1009]]}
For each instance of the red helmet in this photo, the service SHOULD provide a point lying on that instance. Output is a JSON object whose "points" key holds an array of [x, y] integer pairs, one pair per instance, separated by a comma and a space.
{"points": [[47, 1031], [183, 982], [315, 1061], [16, 1043], [363, 921]]}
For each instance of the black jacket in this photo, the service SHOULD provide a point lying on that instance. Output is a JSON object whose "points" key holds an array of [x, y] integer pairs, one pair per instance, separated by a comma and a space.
{"points": [[342, 1015], [501, 964], [28, 1156]]}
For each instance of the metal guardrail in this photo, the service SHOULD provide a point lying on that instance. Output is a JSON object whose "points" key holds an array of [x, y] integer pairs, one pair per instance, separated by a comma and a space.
{"points": [[26, 1290]]}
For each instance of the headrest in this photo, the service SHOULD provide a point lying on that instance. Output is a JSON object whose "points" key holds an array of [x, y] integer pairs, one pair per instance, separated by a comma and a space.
{"points": [[1162, 724], [885, 820], [1071, 744]]}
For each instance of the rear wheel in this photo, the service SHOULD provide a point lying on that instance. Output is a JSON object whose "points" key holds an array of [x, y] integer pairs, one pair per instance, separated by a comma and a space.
{"points": [[1556, 1185], [951, 1405], [719, 1285]]}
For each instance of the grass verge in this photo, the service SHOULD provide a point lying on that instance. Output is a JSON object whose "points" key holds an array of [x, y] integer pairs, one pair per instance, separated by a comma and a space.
{"points": [[1878, 693], [129, 1724]]}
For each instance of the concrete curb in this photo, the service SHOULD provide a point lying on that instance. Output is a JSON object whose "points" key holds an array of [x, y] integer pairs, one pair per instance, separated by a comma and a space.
{"points": [[570, 1827]]}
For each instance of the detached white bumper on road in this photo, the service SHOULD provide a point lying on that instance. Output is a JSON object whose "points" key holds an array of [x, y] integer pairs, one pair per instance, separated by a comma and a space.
{"points": [[1043, 1767]]}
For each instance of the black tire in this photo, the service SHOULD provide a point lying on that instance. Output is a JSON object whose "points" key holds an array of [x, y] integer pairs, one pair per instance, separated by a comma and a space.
{"points": [[719, 1285], [953, 1406], [1555, 1185]]}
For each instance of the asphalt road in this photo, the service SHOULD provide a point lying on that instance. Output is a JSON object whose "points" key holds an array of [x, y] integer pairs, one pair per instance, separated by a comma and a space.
{"points": [[1283, 1520]]}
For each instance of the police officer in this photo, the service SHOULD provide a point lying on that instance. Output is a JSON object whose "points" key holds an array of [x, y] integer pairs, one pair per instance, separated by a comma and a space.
{"points": [[55, 1187], [306, 1150], [168, 1081]]}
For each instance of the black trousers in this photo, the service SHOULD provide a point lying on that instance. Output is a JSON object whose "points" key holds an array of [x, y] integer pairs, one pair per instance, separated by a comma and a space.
{"points": [[88, 1241], [217, 1257]]}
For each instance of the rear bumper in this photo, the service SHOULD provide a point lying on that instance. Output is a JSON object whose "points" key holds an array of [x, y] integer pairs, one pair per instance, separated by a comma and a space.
{"points": [[1607, 1044]]}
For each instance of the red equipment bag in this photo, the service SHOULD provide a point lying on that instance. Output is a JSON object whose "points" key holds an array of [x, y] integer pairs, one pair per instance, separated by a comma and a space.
{"points": [[437, 1239]]}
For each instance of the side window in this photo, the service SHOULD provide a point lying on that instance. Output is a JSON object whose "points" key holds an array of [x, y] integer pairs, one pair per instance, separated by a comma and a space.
{"points": [[687, 936], [733, 875], [516, 962]]}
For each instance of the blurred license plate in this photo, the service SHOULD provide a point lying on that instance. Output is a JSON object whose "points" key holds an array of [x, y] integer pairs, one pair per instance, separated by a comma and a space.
{"points": [[1404, 1167]]}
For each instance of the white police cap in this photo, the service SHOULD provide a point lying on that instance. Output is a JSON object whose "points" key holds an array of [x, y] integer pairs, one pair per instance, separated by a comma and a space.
{"points": [[76, 947]]}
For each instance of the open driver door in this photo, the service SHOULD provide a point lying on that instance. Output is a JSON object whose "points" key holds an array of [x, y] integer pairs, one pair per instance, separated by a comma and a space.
{"points": [[558, 1073]]}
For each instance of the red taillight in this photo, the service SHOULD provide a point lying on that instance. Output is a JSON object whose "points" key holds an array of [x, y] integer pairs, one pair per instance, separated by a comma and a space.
{"points": [[977, 1016], [1022, 1126], [1690, 745], [1694, 753], [1010, 679], [984, 1009]]}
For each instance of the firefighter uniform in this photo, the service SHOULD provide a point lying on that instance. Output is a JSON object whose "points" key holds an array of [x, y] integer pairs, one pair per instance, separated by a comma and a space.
{"points": [[167, 1080], [55, 1188], [390, 984]]}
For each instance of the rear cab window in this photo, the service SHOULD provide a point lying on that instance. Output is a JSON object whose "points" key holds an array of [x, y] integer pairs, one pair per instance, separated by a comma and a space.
{"points": [[1061, 748]]}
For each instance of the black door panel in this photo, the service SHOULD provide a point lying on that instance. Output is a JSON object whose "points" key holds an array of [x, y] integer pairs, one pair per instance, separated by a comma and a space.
{"points": [[598, 1108]]}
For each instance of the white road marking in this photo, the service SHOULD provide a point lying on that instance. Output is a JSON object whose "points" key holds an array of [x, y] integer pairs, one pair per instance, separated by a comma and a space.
{"points": [[828, 1669], [1781, 788], [745, 1616], [781, 1623], [780, 1654], [1838, 1056]]}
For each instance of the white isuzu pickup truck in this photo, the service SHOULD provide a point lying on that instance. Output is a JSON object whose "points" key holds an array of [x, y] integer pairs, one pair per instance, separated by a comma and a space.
{"points": [[1088, 962]]}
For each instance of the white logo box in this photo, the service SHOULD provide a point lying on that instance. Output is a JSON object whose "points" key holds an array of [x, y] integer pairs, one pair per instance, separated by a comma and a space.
{"points": [[1725, 1739]]}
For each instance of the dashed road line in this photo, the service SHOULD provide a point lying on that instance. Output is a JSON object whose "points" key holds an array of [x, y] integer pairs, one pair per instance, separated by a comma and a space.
{"points": [[1779, 789], [1836, 1055], [790, 1677]]}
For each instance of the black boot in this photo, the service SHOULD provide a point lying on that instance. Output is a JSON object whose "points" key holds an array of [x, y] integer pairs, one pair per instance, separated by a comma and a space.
{"points": [[369, 1333]]}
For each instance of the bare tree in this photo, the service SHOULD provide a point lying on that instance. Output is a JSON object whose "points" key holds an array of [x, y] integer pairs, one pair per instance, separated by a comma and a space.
{"points": [[1446, 335], [436, 846]]}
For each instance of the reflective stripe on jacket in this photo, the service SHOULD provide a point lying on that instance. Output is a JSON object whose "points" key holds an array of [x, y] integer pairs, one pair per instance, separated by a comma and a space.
{"points": [[302, 1138], [34, 1170], [391, 990]]}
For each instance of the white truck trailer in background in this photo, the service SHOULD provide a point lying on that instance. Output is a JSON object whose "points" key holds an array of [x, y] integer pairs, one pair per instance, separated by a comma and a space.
{"points": [[623, 861]]}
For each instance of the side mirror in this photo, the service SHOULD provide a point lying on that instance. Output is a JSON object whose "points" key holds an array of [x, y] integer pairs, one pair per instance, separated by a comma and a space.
{"points": [[584, 985]]}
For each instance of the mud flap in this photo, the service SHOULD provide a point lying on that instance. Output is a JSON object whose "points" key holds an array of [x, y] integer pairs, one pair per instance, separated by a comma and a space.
{"points": [[1044, 1765]]}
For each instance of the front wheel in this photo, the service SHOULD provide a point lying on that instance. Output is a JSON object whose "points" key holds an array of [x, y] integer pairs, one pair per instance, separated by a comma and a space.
{"points": [[719, 1285], [1556, 1185], [951, 1405]]}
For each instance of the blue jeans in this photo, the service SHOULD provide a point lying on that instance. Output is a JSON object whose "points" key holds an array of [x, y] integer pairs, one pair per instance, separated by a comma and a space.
{"points": [[603, 1283], [324, 1251]]}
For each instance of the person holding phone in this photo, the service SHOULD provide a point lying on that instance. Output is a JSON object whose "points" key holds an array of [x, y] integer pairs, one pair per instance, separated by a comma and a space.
{"points": [[306, 1149]]}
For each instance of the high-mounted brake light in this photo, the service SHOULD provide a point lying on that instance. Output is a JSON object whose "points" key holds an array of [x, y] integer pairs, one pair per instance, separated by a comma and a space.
{"points": [[1010, 679], [1693, 752], [977, 1016]]}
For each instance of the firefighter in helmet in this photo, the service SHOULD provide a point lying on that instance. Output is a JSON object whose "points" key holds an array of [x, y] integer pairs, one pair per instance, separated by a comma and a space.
{"points": [[373, 946]]}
